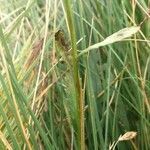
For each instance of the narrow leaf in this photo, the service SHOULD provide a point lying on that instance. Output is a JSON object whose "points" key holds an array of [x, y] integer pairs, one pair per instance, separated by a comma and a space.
{"points": [[117, 36]]}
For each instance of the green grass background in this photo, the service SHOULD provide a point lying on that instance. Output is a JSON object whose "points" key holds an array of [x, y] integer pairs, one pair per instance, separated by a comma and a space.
{"points": [[62, 101]]}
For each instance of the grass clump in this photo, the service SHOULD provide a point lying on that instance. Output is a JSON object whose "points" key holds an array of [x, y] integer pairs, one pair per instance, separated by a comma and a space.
{"points": [[74, 75]]}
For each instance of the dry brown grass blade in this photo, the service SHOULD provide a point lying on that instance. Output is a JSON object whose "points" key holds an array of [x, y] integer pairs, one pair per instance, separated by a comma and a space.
{"points": [[128, 136], [37, 47]]}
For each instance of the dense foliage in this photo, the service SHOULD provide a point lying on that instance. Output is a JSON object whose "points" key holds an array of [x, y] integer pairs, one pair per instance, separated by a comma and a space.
{"points": [[59, 92]]}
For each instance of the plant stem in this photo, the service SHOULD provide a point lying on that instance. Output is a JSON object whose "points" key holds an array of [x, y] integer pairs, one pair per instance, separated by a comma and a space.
{"points": [[78, 89]]}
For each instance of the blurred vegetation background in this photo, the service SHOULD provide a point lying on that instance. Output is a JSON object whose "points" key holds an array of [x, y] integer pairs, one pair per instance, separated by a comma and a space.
{"points": [[52, 98]]}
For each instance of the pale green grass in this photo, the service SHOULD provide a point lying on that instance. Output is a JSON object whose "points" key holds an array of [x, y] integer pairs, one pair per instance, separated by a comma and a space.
{"points": [[82, 98]]}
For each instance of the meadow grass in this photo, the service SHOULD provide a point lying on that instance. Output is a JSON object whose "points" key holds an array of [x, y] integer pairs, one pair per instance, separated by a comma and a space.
{"points": [[75, 74]]}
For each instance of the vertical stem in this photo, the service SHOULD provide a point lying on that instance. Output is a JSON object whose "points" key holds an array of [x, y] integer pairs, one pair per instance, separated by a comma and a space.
{"points": [[76, 78], [109, 9]]}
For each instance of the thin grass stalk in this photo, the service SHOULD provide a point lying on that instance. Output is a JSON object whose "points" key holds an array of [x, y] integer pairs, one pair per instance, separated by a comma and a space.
{"points": [[79, 97], [36, 122], [142, 82], [5, 118], [18, 116], [5, 141], [7, 51], [109, 61], [107, 100], [7, 60], [144, 102]]}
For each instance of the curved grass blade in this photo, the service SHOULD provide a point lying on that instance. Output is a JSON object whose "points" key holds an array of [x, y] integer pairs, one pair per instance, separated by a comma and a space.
{"points": [[116, 37]]}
